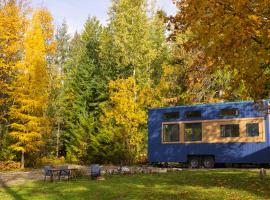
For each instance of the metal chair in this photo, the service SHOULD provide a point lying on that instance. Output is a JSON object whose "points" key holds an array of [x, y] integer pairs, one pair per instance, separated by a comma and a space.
{"points": [[95, 171], [64, 172], [47, 172]]}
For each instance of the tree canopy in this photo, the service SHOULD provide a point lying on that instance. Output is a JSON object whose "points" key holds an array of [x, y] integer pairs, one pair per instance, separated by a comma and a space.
{"points": [[233, 33], [85, 97]]}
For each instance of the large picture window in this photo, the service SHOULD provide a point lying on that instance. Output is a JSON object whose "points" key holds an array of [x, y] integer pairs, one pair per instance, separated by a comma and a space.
{"points": [[171, 133], [252, 129], [193, 132], [229, 130]]}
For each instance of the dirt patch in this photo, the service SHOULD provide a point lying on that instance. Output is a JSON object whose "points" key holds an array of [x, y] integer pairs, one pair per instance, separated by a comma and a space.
{"points": [[19, 177], [12, 178]]}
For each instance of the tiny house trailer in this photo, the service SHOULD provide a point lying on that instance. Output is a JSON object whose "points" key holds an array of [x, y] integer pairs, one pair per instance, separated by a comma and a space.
{"points": [[202, 135]]}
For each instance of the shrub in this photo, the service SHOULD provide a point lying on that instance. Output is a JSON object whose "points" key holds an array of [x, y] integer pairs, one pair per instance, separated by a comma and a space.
{"points": [[52, 161]]}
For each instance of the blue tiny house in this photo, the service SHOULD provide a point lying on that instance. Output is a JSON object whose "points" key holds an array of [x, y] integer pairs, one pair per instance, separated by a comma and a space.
{"points": [[201, 135]]}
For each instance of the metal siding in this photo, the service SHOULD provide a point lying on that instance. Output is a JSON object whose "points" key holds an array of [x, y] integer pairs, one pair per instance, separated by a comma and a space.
{"points": [[224, 152]]}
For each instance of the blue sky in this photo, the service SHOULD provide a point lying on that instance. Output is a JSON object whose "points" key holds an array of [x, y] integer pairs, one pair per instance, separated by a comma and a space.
{"points": [[77, 11]]}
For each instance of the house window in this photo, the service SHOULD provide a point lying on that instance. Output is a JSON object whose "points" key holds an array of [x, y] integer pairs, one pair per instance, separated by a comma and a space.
{"points": [[171, 115], [229, 112], [193, 132], [252, 129], [229, 130], [171, 133], [193, 114]]}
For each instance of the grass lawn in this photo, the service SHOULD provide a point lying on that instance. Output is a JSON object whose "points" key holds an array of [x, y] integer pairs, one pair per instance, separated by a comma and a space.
{"points": [[187, 184]]}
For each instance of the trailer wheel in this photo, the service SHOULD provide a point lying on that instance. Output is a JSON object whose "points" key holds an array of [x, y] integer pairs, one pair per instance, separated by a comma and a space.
{"points": [[194, 162], [208, 162], [166, 165], [154, 164]]}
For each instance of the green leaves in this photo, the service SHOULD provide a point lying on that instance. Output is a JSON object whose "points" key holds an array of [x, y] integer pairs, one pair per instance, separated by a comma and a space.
{"points": [[110, 84]]}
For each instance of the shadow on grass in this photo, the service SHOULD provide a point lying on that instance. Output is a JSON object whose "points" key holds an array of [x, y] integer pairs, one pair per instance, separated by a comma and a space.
{"points": [[239, 180], [237, 184], [115, 188], [9, 190]]}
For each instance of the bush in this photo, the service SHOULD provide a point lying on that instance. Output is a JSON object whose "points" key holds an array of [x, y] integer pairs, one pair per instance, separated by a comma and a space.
{"points": [[52, 161], [142, 159], [8, 165]]}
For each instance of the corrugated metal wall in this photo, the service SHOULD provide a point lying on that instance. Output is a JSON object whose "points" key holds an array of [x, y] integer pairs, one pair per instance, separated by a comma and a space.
{"points": [[238, 152]]}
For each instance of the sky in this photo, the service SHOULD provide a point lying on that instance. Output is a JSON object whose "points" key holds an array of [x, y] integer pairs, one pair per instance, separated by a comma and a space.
{"points": [[75, 12]]}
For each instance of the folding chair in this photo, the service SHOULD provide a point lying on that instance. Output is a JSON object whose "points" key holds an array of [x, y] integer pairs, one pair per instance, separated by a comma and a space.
{"points": [[64, 172], [47, 172]]}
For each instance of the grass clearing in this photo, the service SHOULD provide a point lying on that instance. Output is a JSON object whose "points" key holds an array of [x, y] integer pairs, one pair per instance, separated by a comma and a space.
{"points": [[187, 184]]}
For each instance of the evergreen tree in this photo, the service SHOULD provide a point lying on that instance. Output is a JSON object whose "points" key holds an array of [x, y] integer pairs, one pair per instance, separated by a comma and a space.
{"points": [[57, 74], [135, 50], [86, 86]]}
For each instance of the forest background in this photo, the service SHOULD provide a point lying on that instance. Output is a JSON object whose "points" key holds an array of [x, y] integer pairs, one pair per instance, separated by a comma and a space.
{"points": [[84, 98]]}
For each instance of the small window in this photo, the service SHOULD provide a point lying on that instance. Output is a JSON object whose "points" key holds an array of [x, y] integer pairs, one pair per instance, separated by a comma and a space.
{"points": [[171, 133], [171, 115], [193, 114], [229, 112], [193, 132], [229, 130], [252, 130]]}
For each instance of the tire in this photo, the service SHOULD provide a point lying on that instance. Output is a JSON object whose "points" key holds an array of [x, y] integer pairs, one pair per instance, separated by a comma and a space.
{"points": [[166, 165], [208, 162], [154, 164], [194, 162]]}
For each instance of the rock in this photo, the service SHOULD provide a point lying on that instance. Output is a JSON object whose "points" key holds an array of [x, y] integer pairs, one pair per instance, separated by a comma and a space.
{"points": [[102, 172], [162, 170], [100, 178], [110, 171], [125, 169], [115, 171]]}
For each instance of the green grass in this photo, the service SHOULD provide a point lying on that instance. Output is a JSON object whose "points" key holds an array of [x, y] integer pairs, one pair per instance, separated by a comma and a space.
{"points": [[188, 184]]}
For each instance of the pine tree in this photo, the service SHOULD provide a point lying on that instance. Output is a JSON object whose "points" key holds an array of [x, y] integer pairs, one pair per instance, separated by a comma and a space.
{"points": [[86, 86], [132, 49], [57, 74]]}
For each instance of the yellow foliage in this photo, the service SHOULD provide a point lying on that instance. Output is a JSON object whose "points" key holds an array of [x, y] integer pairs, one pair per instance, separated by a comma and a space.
{"points": [[45, 18], [30, 90], [234, 33], [125, 109], [12, 28], [52, 161], [127, 112]]}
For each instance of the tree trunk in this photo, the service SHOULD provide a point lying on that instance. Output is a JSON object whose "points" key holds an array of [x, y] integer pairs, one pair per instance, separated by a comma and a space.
{"points": [[135, 92], [57, 140], [22, 160]]}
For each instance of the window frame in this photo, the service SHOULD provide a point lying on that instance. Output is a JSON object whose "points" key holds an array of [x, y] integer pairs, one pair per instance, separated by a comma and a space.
{"points": [[171, 118], [229, 115], [192, 128], [190, 111], [224, 125], [247, 134], [163, 132]]}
